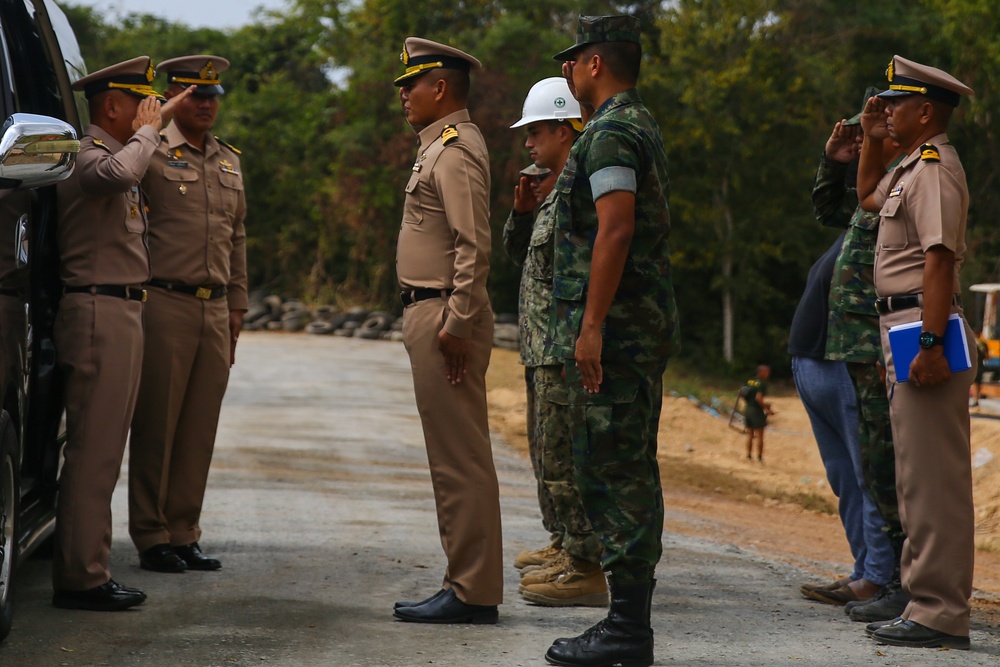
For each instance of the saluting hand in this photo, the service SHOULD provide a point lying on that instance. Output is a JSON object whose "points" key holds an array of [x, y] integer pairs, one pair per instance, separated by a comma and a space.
{"points": [[842, 146], [148, 114], [588, 358], [455, 351], [873, 119], [167, 110], [524, 196]]}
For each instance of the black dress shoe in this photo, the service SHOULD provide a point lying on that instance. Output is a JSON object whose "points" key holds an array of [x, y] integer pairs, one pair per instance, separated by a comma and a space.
{"points": [[403, 603], [111, 596], [191, 554], [161, 558], [447, 608], [911, 633]]}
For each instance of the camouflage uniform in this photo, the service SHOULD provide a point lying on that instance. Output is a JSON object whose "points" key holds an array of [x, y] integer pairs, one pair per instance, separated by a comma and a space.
{"points": [[528, 241], [853, 336], [614, 431]]}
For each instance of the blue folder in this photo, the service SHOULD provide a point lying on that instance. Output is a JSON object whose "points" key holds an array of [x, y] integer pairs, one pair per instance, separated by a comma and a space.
{"points": [[904, 341]]}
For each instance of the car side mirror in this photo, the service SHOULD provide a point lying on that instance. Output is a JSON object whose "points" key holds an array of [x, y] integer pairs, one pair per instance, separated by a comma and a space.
{"points": [[36, 151]]}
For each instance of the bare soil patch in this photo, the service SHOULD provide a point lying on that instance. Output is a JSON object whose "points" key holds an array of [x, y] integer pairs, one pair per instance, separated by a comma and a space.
{"points": [[784, 508]]}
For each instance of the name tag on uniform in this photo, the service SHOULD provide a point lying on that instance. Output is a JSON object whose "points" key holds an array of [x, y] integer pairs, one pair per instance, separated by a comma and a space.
{"points": [[178, 164]]}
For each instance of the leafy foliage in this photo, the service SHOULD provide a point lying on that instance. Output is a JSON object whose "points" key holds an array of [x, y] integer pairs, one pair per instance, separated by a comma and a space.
{"points": [[745, 92]]}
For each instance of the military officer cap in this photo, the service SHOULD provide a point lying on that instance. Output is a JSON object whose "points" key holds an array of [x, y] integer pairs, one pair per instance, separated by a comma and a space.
{"points": [[420, 55], [201, 71], [870, 92], [600, 29], [132, 76], [909, 78], [533, 170]]}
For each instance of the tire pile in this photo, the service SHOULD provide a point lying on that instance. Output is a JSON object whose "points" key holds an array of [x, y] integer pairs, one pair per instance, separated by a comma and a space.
{"points": [[270, 312]]}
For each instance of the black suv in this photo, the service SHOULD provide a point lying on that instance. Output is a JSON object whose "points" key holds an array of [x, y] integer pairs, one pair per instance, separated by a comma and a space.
{"points": [[39, 59]]}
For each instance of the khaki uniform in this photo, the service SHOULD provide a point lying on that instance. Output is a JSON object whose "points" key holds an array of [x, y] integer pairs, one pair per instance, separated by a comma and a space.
{"points": [[102, 242], [196, 239], [444, 244], [924, 203]]}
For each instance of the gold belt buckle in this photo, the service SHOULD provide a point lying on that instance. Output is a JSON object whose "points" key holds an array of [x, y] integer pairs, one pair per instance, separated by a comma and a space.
{"points": [[144, 295], [203, 293]]}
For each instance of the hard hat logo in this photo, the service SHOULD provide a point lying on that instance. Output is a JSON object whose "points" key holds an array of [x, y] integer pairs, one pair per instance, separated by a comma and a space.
{"points": [[560, 102]]}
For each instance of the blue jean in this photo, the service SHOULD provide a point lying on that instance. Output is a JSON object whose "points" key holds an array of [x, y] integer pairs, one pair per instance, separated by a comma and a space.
{"points": [[828, 396]]}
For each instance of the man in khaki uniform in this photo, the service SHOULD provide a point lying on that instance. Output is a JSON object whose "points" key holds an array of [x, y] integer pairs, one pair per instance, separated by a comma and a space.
{"points": [[197, 297], [101, 235], [923, 204], [442, 261]]}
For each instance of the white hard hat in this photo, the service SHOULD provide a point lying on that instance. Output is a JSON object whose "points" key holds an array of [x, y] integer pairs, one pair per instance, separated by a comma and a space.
{"points": [[550, 99]]}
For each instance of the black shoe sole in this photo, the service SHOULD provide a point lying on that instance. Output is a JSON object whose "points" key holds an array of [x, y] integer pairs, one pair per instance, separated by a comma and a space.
{"points": [[151, 568], [90, 606], [205, 568], [638, 662], [471, 619], [956, 643]]}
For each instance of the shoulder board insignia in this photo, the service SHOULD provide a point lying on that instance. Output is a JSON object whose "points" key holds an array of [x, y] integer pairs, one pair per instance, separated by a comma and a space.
{"points": [[449, 134], [100, 144], [929, 153], [229, 146]]}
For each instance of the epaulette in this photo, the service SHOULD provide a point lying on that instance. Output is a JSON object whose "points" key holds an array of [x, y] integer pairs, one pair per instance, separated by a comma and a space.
{"points": [[100, 144], [229, 146], [449, 134], [929, 153]]}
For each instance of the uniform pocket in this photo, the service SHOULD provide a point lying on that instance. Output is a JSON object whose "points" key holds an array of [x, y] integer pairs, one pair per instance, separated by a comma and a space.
{"points": [[893, 235], [412, 213], [183, 190], [134, 220], [232, 186]]}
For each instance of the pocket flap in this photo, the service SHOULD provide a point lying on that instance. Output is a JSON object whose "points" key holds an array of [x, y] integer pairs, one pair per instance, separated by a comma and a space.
{"points": [[890, 207], [567, 288], [180, 175]]}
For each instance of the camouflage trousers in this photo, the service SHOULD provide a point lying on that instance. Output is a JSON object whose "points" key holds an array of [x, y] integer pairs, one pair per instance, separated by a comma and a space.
{"points": [[878, 459], [614, 453], [550, 445]]}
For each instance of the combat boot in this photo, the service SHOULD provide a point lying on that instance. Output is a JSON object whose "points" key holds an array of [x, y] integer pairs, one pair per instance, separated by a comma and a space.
{"points": [[582, 585], [624, 638], [889, 604], [538, 556], [548, 572]]}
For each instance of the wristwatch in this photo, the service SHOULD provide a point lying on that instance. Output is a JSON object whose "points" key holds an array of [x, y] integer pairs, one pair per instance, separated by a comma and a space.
{"points": [[929, 339]]}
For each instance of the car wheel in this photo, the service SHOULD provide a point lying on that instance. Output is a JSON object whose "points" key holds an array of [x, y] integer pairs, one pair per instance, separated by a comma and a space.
{"points": [[9, 502]]}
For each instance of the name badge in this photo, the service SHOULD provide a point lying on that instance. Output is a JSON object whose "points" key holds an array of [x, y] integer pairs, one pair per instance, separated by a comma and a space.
{"points": [[178, 164]]}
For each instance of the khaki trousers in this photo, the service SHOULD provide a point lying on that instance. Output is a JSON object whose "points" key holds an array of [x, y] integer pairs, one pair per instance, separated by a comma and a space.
{"points": [[930, 429], [99, 349], [456, 434], [184, 376]]}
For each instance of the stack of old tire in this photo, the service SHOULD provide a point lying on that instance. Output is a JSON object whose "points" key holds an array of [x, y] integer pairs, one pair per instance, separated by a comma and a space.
{"points": [[271, 312]]}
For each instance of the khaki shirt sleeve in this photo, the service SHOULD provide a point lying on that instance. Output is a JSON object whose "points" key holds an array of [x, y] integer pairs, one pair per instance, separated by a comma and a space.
{"points": [[461, 180], [118, 172], [935, 204], [236, 293]]}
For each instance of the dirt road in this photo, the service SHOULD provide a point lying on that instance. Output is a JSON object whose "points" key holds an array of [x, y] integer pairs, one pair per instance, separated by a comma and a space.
{"points": [[320, 506]]}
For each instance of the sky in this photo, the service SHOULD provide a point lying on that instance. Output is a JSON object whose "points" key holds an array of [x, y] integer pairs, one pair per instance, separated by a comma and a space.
{"points": [[220, 14]]}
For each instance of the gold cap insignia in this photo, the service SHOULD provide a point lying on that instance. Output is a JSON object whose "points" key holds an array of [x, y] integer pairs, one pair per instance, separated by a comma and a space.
{"points": [[150, 72], [404, 57], [890, 71], [208, 72]]}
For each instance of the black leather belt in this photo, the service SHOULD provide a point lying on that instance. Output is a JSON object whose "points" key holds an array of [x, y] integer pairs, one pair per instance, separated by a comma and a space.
{"points": [[410, 297], [207, 293], [888, 304], [120, 291]]}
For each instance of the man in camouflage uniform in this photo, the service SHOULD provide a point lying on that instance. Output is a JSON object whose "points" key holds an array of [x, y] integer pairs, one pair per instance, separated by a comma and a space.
{"points": [[615, 323], [853, 337], [573, 576]]}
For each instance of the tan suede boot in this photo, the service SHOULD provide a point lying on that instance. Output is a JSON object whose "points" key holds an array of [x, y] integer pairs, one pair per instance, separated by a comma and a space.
{"points": [[553, 569], [582, 585], [538, 556]]}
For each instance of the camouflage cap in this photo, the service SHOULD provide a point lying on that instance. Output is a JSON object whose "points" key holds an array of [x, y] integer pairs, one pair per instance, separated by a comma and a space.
{"points": [[534, 170], [911, 78], [870, 92], [599, 29]]}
